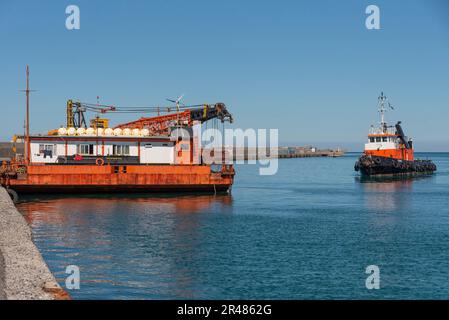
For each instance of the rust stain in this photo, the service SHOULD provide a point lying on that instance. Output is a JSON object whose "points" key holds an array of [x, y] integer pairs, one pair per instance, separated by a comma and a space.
{"points": [[57, 292]]}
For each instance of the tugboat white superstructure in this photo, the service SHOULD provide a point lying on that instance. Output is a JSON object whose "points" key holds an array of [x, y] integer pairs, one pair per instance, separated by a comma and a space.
{"points": [[388, 151]]}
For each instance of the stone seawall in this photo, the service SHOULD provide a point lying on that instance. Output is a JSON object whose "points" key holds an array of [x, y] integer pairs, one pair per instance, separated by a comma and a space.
{"points": [[24, 275]]}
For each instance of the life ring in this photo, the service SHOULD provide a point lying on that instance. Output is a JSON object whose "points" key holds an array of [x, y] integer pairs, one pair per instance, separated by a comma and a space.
{"points": [[377, 160], [99, 161], [14, 196]]}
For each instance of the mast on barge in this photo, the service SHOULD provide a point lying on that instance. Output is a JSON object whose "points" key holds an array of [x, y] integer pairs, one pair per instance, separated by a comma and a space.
{"points": [[27, 124]]}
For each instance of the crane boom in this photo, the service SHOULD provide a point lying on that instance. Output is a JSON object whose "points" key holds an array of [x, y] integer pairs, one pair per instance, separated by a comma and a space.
{"points": [[160, 125]]}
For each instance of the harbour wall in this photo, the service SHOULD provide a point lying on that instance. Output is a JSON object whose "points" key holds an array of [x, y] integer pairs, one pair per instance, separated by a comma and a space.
{"points": [[24, 275], [252, 153]]}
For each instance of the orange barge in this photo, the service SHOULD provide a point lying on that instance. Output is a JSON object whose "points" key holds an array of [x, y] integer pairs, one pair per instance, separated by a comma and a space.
{"points": [[120, 178], [156, 154]]}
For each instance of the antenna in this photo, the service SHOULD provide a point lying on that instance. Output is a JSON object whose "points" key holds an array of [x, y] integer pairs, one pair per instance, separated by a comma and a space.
{"points": [[177, 102], [382, 102], [27, 124]]}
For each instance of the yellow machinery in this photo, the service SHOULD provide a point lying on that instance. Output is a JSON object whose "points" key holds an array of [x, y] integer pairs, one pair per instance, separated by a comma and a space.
{"points": [[70, 122], [99, 123]]}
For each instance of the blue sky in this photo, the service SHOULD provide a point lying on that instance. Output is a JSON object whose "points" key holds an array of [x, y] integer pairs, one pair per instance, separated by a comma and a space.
{"points": [[309, 68]]}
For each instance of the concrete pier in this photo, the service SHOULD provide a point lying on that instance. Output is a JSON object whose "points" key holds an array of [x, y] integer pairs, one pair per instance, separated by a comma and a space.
{"points": [[23, 273]]}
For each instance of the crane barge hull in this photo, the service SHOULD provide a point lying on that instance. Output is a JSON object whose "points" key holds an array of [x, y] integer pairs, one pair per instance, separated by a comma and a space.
{"points": [[112, 178]]}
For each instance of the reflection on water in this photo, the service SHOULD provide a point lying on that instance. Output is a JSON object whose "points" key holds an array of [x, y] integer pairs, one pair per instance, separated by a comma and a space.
{"points": [[388, 194], [131, 244], [56, 209]]}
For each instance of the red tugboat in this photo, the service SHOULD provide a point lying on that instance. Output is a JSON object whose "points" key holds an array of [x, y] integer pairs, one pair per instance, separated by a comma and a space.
{"points": [[389, 151]]}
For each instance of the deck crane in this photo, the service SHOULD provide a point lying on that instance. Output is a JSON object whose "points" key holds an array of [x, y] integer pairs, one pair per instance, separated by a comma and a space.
{"points": [[76, 118], [181, 116]]}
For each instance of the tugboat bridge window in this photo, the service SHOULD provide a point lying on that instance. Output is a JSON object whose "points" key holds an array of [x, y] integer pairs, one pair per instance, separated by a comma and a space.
{"points": [[371, 140], [85, 149], [119, 150], [384, 139], [378, 139]]}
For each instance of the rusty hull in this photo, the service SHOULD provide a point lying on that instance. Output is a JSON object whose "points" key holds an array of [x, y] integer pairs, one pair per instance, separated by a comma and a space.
{"points": [[122, 178]]}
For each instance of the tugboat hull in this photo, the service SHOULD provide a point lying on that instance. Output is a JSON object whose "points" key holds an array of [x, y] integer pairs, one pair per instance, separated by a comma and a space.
{"points": [[369, 165]]}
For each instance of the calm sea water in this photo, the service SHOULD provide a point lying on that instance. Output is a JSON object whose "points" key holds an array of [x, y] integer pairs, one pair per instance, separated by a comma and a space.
{"points": [[308, 232]]}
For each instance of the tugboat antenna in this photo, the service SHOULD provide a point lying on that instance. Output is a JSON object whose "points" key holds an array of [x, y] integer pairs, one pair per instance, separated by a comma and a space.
{"points": [[382, 101]]}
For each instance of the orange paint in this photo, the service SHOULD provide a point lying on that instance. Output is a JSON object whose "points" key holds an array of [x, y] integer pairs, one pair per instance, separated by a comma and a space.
{"points": [[402, 153], [134, 178]]}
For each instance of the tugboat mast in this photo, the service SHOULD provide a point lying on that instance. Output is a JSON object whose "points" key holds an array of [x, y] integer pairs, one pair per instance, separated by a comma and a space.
{"points": [[382, 102]]}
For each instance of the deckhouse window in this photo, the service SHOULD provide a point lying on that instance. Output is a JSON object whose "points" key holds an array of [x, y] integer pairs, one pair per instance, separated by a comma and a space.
{"points": [[384, 139], [378, 139], [120, 150], [85, 149], [43, 148], [47, 150], [371, 139]]}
